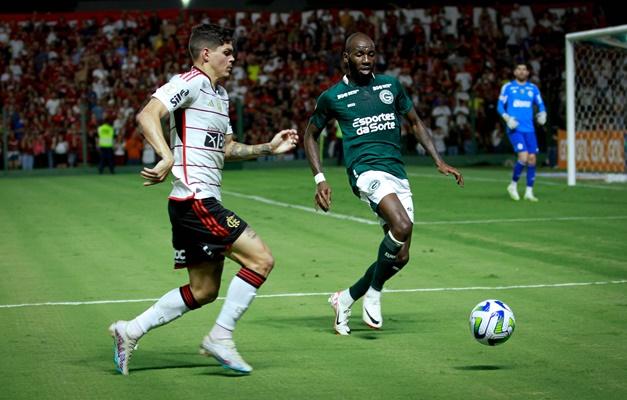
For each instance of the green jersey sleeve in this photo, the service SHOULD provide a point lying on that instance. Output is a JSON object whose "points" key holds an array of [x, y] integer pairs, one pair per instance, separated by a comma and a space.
{"points": [[403, 101], [321, 115]]}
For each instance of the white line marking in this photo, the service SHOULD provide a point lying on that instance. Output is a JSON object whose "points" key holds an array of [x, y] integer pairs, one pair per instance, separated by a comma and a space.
{"points": [[302, 208], [507, 220], [542, 182], [458, 222], [267, 296]]}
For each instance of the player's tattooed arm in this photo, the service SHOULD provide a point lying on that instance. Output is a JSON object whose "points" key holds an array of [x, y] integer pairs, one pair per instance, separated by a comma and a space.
{"points": [[239, 151], [282, 142]]}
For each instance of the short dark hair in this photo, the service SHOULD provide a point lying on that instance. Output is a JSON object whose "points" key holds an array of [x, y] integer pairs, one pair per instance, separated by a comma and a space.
{"points": [[208, 36]]}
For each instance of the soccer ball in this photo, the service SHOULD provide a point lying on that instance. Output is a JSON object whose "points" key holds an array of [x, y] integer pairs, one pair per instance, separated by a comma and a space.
{"points": [[492, 322]]}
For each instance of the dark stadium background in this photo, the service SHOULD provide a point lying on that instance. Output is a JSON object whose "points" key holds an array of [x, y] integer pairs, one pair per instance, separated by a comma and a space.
{"points": [[612, 8]]}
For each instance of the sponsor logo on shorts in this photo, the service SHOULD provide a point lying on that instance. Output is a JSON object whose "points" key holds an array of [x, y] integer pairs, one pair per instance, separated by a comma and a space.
{"points": [[386, 96], [374, 186], [232, 221], [179, 256], [205, 248]]}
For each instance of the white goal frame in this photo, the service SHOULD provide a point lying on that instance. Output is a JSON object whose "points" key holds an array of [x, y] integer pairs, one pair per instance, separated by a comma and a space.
{"points": [[571, 38]]}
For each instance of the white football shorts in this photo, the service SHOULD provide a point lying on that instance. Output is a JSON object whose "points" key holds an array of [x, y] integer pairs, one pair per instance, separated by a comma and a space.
{"points": [[375, 185]]}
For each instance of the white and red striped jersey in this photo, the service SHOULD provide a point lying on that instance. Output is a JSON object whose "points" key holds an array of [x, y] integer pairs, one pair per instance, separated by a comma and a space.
{"points": [[199, 123]]}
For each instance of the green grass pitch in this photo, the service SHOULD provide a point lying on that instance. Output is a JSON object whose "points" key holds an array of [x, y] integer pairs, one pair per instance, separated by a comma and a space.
{"points": [[103, 238]]}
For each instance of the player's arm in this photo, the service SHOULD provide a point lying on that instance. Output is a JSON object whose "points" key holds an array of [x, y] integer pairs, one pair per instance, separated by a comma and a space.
{"points": [[323, 190], [422, 135], [541, 115], [282, 142], [149, 121], [510, 121]]}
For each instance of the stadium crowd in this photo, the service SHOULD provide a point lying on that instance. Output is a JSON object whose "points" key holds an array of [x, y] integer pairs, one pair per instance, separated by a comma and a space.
{"points": [[451, 60]]}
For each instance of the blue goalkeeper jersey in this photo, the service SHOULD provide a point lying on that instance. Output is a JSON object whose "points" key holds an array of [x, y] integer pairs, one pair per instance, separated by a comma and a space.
{"points": [[517, 100]]}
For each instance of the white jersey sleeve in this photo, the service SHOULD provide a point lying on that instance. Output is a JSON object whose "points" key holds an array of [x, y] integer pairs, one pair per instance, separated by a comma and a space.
{"points": [[178, 93]]}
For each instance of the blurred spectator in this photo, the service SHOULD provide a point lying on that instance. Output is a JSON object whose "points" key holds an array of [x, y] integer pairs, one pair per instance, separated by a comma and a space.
{"points": [[61, 149], [133, 146]]}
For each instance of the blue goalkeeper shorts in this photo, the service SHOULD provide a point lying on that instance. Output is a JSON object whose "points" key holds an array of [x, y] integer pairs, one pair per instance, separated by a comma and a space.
{"points": [[523, 141]]}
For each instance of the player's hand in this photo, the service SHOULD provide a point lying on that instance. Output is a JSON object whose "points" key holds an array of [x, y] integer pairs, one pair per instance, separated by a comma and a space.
{"points": [[158, 173], [323, 196], [541, 117], [284, 141], [446, 169], [510, 121]]}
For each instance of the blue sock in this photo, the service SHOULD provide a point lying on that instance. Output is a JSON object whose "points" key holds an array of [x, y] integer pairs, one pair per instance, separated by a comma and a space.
{"points": [[531, 175], [518, 168]]}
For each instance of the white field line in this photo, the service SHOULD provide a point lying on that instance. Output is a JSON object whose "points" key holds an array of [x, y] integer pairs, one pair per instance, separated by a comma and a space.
{"points": [[506, 181], [267, 296], [302, 208], [456, 222]]}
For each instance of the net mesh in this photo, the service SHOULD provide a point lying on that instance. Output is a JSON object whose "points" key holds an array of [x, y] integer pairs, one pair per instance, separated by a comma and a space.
{"points": [[600, 104]]}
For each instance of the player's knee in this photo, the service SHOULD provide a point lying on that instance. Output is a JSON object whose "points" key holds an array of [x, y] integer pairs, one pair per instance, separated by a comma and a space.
{"points": [[402, 259], [263, 263], [531, 159], [204, 295], [402, 230]]}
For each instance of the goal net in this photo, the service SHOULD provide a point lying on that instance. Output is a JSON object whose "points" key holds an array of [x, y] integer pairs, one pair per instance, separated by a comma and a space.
{"points": [[596, 104]]}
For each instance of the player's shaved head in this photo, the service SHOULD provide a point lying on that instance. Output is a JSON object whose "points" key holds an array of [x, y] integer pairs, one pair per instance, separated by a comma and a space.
{"points": [[356, 39]]}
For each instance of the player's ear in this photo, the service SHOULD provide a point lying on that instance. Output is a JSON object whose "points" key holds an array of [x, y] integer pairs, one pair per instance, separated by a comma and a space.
{"points": [[205, 53]]}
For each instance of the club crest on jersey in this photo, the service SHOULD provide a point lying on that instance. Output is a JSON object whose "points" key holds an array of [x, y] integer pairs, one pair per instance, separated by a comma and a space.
{"points": [[386, 96]]}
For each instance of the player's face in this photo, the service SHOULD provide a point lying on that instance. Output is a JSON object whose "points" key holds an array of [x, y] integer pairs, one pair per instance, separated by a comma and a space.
{"points": [[361, 58], [521, 73], [221, 60]]}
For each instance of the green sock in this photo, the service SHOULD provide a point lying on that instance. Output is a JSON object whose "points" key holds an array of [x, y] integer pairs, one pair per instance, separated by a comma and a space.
{"points": [[386, 260], [361, 286]]}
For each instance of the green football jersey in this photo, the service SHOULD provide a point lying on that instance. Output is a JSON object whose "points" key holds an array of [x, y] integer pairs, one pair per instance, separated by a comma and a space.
{"points": [[370, 119]]}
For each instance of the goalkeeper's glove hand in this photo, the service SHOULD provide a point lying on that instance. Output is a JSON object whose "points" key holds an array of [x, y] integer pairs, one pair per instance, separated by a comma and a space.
{"points": [[510, 121], [541, 117]]}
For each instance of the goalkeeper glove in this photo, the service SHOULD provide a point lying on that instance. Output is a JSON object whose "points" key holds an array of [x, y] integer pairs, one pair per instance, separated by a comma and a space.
{"points": [[510, 121], [541, 117]]}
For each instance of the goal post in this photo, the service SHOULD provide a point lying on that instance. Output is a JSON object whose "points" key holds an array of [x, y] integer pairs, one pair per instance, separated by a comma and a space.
{"points": [[596, 102]]}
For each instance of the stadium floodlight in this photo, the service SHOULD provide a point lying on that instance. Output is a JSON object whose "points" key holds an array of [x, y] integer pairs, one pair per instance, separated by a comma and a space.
{"points": [[596, 102], [185, 3]]}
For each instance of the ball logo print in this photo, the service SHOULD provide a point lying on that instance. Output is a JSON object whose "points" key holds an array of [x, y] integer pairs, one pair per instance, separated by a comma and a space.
{"points": [[492, 322], [386, 96]]}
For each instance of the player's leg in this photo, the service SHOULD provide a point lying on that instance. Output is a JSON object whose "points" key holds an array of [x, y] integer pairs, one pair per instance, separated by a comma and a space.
{"points": [[256, 262], [518, 143], [203, 287], [392, 256], [532, 145]]}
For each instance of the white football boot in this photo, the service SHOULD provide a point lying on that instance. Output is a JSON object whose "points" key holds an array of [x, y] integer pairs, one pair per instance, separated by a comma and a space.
{"points": [[529, 195], [342, 315], [512, 189], [225, 352], [123, 346], [372, 309]]}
